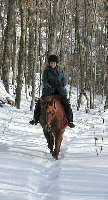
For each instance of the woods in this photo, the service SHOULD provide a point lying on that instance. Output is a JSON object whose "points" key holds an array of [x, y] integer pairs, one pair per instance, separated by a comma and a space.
{"points": [[77, 31]]}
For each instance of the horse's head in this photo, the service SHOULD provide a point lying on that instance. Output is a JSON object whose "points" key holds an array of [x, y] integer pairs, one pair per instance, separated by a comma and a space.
{"points": [[48, 110]]}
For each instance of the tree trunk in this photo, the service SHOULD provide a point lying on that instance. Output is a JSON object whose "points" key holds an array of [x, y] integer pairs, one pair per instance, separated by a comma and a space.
{"points": [[55, 8], [35, 60], [30, 49], [2, 24], [21, 56], [8, 39], [14, 53], [106, 64]]}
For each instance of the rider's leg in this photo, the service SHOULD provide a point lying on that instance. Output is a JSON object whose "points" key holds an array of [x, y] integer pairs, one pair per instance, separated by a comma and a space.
{"points": [[36, 113], [68, 111]]}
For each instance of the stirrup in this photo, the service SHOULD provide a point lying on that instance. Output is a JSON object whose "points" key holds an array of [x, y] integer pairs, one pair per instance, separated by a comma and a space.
{"points": [[32, 122], [71, 125]]}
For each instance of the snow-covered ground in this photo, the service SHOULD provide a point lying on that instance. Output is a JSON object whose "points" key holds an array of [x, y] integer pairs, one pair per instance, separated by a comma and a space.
{"points": [[28, 171]]}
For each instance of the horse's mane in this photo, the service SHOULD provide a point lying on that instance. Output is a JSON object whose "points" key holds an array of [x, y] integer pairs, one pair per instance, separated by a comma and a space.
{"points": [[52, 97]]}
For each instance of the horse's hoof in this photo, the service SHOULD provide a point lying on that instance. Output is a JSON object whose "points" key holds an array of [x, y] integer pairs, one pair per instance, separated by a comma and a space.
{"points": [[32, 122], [55, 156], [51, 151]]}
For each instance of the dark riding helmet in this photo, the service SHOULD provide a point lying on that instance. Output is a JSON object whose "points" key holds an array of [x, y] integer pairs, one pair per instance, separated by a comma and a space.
{"points": [[53, 58]]}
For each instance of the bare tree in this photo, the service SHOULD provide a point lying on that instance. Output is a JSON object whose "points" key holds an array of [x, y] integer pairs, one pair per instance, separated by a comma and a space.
{"points": [[8, 39], [75, 30], [34, 53], [21, 54], [106, 66]]}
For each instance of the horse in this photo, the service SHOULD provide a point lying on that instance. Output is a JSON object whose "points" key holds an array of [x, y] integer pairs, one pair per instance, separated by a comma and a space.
{"points": [[53, 121]]}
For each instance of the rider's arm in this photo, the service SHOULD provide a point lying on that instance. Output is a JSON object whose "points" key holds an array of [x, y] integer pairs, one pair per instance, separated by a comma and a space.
{"points": [[45, 79], [64, 79]]}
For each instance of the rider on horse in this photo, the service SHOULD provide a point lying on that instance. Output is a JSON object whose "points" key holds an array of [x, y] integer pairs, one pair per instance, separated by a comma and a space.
{"points": [[54, 82]]}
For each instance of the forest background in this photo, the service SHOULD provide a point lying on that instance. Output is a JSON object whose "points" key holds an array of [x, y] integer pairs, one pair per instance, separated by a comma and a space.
{"points": [[77, 31]]}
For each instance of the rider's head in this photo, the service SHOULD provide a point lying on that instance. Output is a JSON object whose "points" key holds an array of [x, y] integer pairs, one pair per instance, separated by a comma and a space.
{"points": [[53, 60]]}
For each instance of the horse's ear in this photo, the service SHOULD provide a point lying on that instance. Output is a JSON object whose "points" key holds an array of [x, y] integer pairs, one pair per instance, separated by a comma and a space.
{"points": [[52, 100], [49, 100], [54, 105], [42, 101]]}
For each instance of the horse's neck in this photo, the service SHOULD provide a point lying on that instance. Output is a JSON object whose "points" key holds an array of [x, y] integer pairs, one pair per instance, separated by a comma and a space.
{"points": [[59, 107]]}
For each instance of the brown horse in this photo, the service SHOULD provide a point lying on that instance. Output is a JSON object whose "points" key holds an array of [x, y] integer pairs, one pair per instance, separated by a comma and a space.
{"points": [[53, 121]]}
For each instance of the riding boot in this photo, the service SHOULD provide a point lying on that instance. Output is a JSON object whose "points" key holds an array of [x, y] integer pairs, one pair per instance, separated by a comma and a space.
{"points": [[36, 114], [68, 111]]}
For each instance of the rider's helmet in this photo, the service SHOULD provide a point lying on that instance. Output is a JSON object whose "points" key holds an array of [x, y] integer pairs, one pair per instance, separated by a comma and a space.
{"points": [[53, 58]]}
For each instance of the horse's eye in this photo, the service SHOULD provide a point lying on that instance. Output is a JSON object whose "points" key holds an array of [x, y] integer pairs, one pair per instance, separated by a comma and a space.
{"points": [[49, 112], [53, 112]]}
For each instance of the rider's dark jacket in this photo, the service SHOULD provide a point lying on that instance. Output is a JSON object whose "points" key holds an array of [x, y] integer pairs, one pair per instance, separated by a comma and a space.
{"points": [[54, 82]]}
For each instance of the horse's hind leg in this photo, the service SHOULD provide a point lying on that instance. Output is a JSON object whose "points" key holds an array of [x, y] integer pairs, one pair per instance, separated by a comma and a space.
{"points": [[58, 140]]}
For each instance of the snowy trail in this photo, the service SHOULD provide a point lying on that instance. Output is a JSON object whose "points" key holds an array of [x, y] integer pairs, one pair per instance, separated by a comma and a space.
{"points": [[28, 171]]}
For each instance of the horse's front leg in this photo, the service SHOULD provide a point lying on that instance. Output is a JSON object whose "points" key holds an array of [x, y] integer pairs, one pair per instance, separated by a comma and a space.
{"points": [[50, 140], [58, 141]]}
